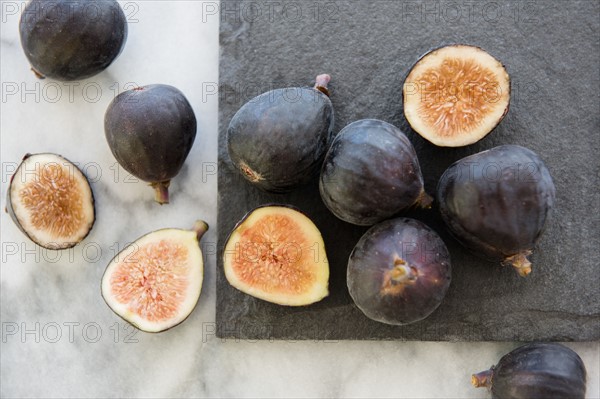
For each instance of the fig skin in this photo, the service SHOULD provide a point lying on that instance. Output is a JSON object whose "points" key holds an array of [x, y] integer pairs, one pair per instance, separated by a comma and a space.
{"points": [[11, 212], [370, 173], [536, 370], [277, 140], [496, 203], [150, 131], [399, 272], [70, 40]]}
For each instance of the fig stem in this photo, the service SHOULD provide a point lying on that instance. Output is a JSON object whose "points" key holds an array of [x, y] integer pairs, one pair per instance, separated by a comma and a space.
{"points": [[520, 262], [321, 83], [424, 200], [37, 74], [161, 191], [200, 227], [482, 379]]}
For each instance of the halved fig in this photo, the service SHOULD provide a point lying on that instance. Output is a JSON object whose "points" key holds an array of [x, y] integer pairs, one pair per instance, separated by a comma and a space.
{"points": [[276, 253], [455, 95], [155, 282], [399, 272], [51, 201]]}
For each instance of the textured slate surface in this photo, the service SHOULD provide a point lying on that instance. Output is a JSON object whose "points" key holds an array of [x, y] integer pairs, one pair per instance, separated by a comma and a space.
{"points": [[550, 49]]}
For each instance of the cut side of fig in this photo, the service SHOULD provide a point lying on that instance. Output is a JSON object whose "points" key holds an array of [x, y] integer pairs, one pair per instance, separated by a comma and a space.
{"points": [[455, 95], [399, 272], [277, 254], [155, 282], [536, 370], [150, 131], [69, 40], [370, 173], [51, 201], [496, 203], [277, 140]]}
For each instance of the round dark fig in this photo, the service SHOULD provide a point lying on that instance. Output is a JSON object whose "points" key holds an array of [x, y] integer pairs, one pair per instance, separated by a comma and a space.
{"points": [[399, 272], [536, 371], [150, 131], [278, 139], [370, 173], [496, 203], [70, 40]]}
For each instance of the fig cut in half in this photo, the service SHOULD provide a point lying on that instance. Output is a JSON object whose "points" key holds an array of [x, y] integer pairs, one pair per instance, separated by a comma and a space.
{"points": [[155, 282], [455, 95], [51, 201], [276, 253]]}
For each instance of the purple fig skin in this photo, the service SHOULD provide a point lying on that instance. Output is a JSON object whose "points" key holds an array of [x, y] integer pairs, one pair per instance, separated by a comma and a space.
{"points": [[496, 203], [399, 272], [536, 371]]}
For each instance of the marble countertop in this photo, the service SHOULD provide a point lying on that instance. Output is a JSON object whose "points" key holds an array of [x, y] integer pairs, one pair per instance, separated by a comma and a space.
{"points": [[59, 339]]}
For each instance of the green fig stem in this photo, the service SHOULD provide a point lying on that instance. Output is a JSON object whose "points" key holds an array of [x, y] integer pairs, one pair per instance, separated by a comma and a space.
{"points": [[161, 191], [520, 262], [321, 83], [483, 379], [200, 227], [424, 200]]}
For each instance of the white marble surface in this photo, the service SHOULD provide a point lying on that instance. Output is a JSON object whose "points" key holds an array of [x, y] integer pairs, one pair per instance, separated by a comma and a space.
{"points": [[59, 339]]}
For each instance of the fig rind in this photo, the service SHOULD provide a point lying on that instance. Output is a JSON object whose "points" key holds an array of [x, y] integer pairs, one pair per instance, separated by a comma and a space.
{"points": [[70, 40], [150, 131], [277, 140], [370, 173], [496, 203], [399, 272], [536, 370]]}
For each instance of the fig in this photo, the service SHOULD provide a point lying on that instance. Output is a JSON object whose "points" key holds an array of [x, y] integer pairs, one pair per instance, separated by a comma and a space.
{"points": [[278, 139], [496, 203], [399, 271], [455, 95], [150, 131], [51, 201], [276, 253], [69, 40], [536, 371], [155, 282], [370, 173]]}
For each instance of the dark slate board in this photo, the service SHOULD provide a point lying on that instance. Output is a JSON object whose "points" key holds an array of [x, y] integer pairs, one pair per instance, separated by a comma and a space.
{"points": [[550, 49]]}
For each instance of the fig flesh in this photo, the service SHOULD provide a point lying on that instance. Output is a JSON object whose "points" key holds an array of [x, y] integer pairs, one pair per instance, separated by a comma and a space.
{"points": [[496, 203], [69, 40], [455, 95], [155, 282], [399, 272], [370, 173], [536, 370], [277, 140], [51, 201], [150, 131], [276, 253]]}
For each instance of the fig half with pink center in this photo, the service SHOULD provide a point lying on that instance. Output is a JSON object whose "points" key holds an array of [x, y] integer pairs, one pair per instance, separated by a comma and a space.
{"points": [[399, 272], [155, 282]]}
